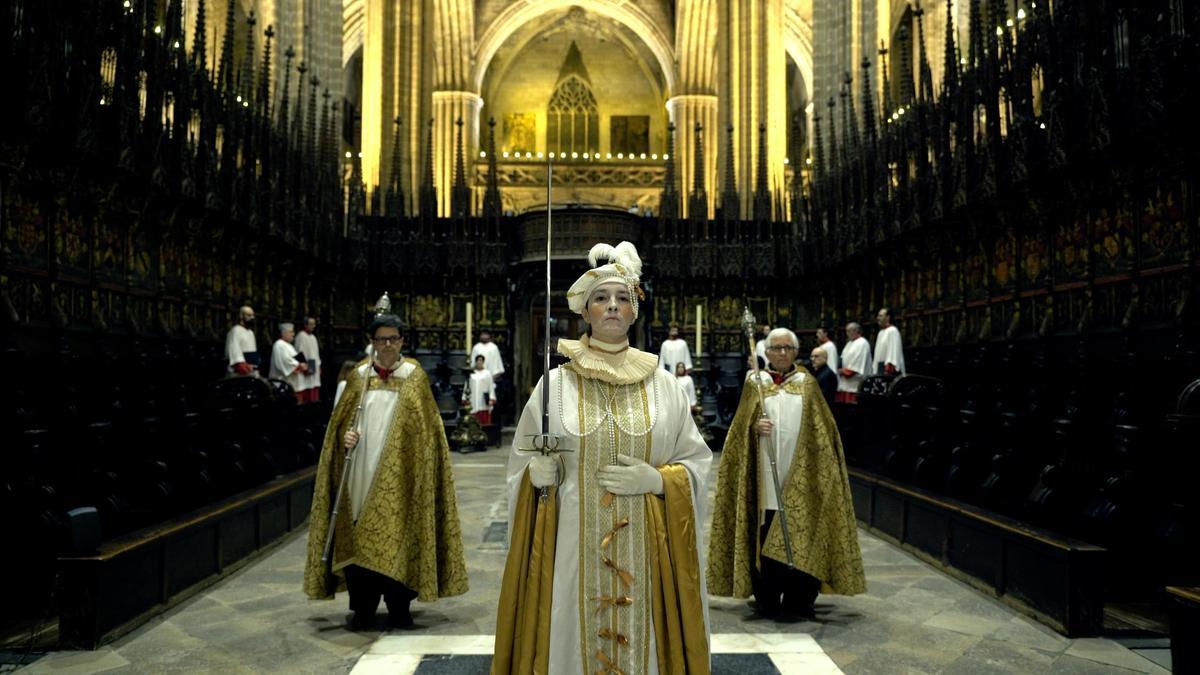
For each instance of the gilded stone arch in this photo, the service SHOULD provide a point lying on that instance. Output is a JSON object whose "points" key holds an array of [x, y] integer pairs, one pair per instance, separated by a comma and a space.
{"points": [[517, 15]]}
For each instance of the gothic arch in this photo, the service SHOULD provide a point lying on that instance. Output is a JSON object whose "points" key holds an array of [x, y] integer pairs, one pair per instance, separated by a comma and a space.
{"points": [[625, 13], [797, 40]]}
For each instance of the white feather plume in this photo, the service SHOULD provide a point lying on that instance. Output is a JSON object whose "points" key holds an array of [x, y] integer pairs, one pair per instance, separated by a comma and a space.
{"points": [[600, 251], [624, 254]]}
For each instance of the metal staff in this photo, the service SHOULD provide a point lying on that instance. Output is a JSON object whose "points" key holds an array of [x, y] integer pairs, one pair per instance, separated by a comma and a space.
{"points": [[383, 306], [337, 500], [748, 322]]}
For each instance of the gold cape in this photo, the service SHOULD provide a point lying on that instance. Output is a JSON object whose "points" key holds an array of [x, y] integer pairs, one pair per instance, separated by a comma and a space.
{"points": [[523, 616], [408, 529], [816, 497]]}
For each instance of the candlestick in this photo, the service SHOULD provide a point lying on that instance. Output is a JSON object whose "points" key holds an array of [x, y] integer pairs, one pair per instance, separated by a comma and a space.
{"points": [[469, 317], [699, 330]]}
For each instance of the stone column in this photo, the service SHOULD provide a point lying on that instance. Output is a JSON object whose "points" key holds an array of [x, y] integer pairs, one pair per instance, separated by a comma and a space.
{"points": [[395, 77], [685, 111], [751, 61], [448, 108]]}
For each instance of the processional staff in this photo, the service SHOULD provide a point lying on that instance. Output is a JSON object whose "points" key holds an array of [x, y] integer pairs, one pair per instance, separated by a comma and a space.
{"points": [[748, 323], [383, 306]]}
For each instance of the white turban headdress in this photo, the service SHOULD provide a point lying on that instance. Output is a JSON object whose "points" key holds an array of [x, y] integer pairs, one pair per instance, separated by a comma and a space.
{"points": [[624, 265]]}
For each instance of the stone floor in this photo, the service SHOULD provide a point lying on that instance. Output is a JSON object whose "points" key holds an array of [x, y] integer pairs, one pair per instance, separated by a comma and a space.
{"points": [[913, 619]]}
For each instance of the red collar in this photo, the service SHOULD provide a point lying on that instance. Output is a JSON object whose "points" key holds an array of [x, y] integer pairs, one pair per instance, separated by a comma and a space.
{"points": [[382, 372], [778, 378]]}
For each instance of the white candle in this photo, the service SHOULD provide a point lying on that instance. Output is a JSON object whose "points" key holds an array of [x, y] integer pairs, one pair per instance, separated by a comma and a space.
{"points": [[699, 330], [469, 317]]}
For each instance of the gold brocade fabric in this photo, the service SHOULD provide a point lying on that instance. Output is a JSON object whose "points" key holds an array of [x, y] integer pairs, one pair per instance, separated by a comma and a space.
{"points": [[408, 529], [616, 420], [523, 615], [816, 497], [680, 636]]}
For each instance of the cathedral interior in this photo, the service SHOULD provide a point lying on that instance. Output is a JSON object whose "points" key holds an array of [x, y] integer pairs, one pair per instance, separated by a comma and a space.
{"points": [[1010, 178]]}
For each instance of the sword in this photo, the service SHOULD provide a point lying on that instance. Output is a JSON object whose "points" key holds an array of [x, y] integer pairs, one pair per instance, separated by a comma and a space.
{"points": [[748, 322], [546, 443]]}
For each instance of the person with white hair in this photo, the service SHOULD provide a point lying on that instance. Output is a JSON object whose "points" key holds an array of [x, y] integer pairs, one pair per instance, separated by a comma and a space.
{"points": [[856, 364], [603, 571], [782, 417], [286, 363]]}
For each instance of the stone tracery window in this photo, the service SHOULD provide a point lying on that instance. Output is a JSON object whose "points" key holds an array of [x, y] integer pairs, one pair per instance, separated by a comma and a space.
{"points": [[572, 119]]}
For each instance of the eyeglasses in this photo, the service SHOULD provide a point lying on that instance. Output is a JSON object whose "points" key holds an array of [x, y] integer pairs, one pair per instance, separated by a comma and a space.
{"points": [[387, 340], [781, 348]]}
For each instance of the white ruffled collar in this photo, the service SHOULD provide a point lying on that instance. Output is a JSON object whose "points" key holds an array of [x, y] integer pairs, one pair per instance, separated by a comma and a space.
{"points": [[607, 362]]}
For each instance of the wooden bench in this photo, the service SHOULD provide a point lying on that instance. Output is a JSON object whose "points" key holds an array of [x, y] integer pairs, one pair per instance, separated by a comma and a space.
{"points": [[136, 576], [1184, 610], [1057, 580]]}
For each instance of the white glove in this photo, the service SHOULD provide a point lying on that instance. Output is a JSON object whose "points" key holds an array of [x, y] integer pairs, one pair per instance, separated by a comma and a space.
{"points": [[543, 471], [633, 477]]}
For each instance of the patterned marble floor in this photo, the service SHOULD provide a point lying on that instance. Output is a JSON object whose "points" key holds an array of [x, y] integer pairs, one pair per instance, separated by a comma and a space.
{"points": [[913, 619]]}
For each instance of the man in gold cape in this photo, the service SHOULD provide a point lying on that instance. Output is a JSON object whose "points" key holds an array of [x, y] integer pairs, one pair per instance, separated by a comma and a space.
{"points": [[604, 575], [746, 544], [397, 532]]}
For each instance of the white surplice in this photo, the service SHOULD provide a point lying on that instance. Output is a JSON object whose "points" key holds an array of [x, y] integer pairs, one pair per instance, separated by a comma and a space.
{"points": [[239, 342], [482, 388], [857, 357], [672, 437], [889, 348], [785, 408], [374, 423], [672, 352], [831, 354], [491, 357], [306, 343], [284, 364], [689, 388]]}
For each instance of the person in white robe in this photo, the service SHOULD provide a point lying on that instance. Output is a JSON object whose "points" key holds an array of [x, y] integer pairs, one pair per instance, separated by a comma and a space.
{"points": [[480, 392], [685, 381], [831, 351], [674, 350], [285, 364], [856, 364], [491, 354], [612, 557], [241, 347], [306, 343], [889, 349]]}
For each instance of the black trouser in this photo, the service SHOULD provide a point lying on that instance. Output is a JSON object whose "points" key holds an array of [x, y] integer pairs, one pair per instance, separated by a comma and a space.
{"points": [[366, 586], [776, 586]]}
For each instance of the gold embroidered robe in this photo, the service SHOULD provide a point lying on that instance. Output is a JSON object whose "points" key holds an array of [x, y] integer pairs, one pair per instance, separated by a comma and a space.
{"points": [[816, 496], [563, 608], [407, 527]]}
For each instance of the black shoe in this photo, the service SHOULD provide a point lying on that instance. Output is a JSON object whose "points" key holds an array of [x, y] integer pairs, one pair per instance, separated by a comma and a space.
{"points": [[400, 619], [796, 614], [765, 610], [362, 621]]}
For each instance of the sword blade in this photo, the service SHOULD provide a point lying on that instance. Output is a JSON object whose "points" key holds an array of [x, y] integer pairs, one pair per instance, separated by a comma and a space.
{"points": [[546, 341]]}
